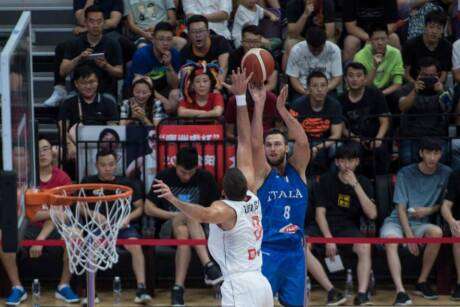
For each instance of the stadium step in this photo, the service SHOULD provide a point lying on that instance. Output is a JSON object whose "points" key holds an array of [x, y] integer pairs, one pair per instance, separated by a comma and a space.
{"points": [[46, 34], [43, 11]]}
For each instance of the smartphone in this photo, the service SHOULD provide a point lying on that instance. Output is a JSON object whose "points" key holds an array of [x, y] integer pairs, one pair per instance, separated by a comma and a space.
{"points": [[94, 56]]}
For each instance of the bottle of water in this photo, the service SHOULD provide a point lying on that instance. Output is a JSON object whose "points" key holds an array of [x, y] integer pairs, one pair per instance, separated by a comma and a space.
{"points": [[349, 284], [371, 291], [36, 293], [307, 291], [117, 290]]}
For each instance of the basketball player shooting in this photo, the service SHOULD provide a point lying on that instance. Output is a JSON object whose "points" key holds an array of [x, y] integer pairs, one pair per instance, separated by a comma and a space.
{"points": [[281, 187], [235, 231]]}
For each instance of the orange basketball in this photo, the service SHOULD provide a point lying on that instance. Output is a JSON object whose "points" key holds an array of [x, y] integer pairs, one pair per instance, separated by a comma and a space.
{"points": [[260, 62]]}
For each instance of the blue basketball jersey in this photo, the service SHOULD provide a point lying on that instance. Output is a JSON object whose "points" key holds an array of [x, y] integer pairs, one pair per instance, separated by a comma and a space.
{"points": [[284, 202]]}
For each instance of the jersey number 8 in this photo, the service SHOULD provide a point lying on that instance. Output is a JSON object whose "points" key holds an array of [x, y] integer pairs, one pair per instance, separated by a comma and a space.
{"points": [[287, 212]]}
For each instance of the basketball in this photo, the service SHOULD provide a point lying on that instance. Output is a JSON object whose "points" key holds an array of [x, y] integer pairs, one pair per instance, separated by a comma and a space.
{"points": [[259, 62]]}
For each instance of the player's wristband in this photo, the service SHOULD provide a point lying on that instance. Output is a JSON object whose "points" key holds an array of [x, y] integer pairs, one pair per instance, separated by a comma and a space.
{"points": [[240, 100]]}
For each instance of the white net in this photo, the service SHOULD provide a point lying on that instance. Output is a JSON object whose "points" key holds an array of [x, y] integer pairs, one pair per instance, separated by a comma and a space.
{"points": [[90, 230]]}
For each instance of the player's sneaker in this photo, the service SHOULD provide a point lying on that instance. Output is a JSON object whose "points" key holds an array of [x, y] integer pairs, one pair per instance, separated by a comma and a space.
{"points": [[66, 294], [59, 94], [402, 299], [362, 299], [142, 296], [18, 295], [424, 289], [456, 294], [212, 274], [177, 296], [335, 298]]}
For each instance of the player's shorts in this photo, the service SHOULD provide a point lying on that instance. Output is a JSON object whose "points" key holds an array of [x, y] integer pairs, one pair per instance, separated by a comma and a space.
{"points": [[285, 270], [248, 289]]}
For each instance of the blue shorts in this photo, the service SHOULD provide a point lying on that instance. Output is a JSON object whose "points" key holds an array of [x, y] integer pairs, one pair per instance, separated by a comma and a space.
{"points": [[285, 270]]}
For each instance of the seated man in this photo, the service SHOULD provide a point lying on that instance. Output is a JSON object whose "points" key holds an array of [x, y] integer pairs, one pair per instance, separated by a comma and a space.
{"points": [[106, 164], [418, 192], [343, 199], [321, 118], [189, 184], [112, 10], [159, 61], [251, 38], [384, 64], [41, 226], [451, 212], [203, 46], [314, 54], [365, 112]]}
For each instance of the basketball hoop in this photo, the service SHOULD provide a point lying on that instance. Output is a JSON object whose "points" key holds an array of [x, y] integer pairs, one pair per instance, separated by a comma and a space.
{"points": [[88, 217]]}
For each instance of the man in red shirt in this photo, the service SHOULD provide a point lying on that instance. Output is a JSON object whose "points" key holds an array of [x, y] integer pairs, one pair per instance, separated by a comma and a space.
{"points": [[41, 226]]}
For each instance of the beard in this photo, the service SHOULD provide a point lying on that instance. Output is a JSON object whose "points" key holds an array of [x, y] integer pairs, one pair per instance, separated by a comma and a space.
{"points": [[275, 163]]}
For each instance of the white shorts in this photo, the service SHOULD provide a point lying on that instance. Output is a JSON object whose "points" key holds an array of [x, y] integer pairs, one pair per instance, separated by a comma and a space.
{"points": [[246, 289]]}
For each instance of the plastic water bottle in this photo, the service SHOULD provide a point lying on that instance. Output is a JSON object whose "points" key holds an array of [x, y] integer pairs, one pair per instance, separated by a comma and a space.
{"points": [[117, 290], [36, 293], [349, 284], [307, 291]]}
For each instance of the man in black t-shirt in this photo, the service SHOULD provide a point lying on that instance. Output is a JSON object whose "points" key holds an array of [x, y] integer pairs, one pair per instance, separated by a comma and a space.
{"points": [[321, 118], [203, 46], [359, 15], [343, 198], [366, 113], [106, 164], [450, 210], [430, 44], [194, 185]]}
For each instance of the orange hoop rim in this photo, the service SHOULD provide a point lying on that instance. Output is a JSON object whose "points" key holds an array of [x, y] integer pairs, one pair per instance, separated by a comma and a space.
{"points": [[55, 196]]}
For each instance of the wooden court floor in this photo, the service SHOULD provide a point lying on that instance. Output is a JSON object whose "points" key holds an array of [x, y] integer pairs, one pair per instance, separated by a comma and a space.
{"points": [[205, 297]]}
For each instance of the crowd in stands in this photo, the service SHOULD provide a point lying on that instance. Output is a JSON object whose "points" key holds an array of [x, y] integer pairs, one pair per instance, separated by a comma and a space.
{"points": [[374, 84]]}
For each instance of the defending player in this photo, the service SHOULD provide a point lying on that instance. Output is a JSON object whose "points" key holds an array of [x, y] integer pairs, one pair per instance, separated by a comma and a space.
{"points": [[235, 232], [283, 193]]}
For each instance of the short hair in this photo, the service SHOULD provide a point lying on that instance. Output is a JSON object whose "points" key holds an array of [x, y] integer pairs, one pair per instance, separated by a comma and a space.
{"points": [[197, 18], [93, 9], [235, 185], [315, 36], [84, 71], [431, 144], [253, 29], [274, 131], [315, 74], [350, 150], [163, 26], [437, 17], [377, 27], [427, 62], [42, 137], [357, 66], [187, 157], [105, 152]]}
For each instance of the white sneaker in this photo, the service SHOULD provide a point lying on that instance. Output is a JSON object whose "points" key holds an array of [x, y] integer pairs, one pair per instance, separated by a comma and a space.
{"points": [[58, 95], [84, 301]]}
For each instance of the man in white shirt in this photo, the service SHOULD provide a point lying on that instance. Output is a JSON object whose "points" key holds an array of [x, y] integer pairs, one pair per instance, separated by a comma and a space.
{"points": [[314, 54], [217, 12]]}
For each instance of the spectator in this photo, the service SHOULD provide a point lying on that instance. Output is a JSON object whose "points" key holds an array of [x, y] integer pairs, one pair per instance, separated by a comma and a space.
{"points": [[421, 103], [430, 44], [41, 226], [249, 13], [200, 99], [419, 10], [321, 118], [189, 184], [365, 111], [216, 12], [418, 193], [314, 54], [384, 65], [451, 213], [106, 165], [87, 107], [112, 13], [359, 15], [343, 199], [142, 16], [146, 106], [93, 48], [205, 47], [271, 118], [251, 39], [145, 167], [160, 62]]}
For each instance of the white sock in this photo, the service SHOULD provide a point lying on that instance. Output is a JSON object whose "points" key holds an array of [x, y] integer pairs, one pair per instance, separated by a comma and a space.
{"points": [[19, 288], [60, 287]]}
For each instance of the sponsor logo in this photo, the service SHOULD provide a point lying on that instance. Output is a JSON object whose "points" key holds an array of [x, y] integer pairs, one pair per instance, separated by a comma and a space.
{"points": [[290, 228]]}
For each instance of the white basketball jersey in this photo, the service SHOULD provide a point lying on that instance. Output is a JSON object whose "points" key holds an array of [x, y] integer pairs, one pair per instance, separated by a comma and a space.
{"points": [[238, 250]]}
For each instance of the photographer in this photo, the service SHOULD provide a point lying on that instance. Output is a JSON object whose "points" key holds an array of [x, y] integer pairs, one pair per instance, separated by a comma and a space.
{"points": [[421, 104]]}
